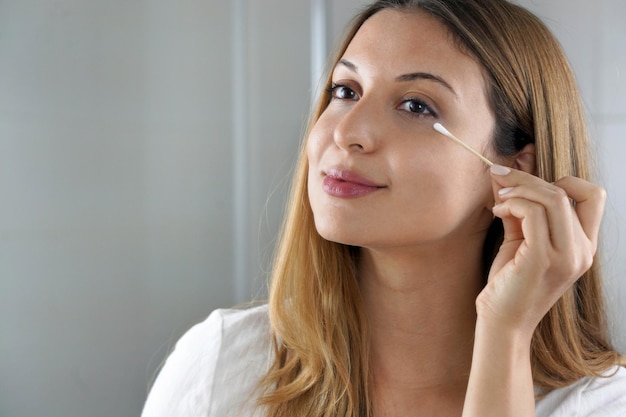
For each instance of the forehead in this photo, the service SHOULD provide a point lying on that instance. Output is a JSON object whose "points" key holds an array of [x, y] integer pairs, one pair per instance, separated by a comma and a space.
{"points": [[393, 42]]}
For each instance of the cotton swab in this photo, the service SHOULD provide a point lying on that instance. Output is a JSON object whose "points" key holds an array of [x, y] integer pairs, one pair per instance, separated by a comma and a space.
{"points": [[439, 128]]}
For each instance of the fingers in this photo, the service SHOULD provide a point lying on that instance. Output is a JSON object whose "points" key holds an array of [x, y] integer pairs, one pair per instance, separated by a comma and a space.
{"points": [[590, 201], [553, 205], [525, 220], [550, 238], [545, 215]]}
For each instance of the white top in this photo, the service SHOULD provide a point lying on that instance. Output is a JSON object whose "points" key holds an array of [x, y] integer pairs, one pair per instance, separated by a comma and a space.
{"points": [[216, 366]]}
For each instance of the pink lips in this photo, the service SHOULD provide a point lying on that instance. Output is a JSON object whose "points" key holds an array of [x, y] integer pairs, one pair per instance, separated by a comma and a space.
{"points": [[345, 184]]}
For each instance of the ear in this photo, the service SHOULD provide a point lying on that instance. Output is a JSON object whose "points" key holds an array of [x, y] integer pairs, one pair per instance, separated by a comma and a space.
{"points": [[526, 160]]}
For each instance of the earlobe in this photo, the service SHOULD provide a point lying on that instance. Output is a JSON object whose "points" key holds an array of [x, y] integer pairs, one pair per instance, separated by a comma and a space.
{"points": [[526, 160]]}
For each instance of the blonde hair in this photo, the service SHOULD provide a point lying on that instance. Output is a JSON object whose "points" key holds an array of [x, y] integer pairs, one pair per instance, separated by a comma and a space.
{"points": [[321, 365]]}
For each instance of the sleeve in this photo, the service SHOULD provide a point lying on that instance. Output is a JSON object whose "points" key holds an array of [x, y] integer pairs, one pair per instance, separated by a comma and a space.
{"points": [[605, 397], [590, 397], [184, 385]]}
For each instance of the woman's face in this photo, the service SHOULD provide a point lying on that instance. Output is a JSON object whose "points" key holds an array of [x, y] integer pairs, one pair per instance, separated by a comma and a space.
{"points": [[380, 176]]}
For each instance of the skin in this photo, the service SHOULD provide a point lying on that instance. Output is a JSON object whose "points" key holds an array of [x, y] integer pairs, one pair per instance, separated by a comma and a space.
{"points": [[435, 332]]}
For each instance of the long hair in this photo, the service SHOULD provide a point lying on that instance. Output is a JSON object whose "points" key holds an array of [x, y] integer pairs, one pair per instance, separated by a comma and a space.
{"points": [[321, 364]]}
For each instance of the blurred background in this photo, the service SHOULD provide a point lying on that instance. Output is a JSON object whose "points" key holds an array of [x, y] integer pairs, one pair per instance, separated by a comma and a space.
{"points": [[145, 152]]}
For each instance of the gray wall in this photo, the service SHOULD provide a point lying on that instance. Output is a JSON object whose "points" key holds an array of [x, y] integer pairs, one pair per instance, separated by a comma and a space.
{"points": [[119, 174], [144, 148]]}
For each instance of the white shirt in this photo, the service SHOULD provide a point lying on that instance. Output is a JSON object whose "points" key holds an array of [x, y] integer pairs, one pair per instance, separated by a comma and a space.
{"points": [[217, 365]]}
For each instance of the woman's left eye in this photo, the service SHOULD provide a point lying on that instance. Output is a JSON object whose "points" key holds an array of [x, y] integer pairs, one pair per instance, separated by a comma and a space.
{"points": [[417, 107]]}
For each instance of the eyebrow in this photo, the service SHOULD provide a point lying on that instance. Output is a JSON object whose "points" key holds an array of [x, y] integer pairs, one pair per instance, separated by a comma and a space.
{"points": [[407, 77]]}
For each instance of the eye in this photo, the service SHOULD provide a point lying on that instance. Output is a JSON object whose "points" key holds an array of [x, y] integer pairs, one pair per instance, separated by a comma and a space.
{"points": [[417, 107], [342, 92]]}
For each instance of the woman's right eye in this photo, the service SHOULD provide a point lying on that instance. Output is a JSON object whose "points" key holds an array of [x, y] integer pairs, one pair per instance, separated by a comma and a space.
{"points": [[342, 92]]}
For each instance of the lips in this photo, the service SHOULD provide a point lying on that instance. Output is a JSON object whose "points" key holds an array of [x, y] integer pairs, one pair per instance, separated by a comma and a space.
{"points": [[346, 184]]}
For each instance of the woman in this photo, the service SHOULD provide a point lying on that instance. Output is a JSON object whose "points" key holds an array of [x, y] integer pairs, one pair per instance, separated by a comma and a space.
{"points": [[410, 278]]}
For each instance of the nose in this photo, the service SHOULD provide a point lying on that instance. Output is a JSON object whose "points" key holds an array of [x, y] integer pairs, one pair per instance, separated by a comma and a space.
{"points": [[360, 128]]}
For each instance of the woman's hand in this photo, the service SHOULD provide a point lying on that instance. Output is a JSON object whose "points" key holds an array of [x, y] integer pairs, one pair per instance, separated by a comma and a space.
{"points": [[550, 238]]}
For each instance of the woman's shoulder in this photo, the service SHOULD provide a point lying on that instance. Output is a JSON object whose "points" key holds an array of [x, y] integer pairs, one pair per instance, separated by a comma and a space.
{"points": [[603, 396], [228, 331], [244, 333], [237, 323], [215, 367]]}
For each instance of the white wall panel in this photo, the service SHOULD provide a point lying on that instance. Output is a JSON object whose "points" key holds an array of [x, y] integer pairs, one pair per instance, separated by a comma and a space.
{"points": [[612, 148], [593, 36]]}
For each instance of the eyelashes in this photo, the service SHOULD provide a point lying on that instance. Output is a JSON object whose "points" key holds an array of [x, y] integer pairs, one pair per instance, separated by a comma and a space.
{"points": [[414, 106], [341, 92]]}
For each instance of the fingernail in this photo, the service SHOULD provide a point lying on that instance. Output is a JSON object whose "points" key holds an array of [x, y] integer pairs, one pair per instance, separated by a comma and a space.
{"points": [[503, 191], [500, 170]]}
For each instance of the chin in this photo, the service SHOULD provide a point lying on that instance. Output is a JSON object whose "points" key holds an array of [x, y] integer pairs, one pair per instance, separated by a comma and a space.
{"points": [[333, 232]]}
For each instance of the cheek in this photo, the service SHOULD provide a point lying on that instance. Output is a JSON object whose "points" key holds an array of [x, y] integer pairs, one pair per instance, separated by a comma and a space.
{"points": [[315, 144], [312, 152], [441, 184], [315, 148]]}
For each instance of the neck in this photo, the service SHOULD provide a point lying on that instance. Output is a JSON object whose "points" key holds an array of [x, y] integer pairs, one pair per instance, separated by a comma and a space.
{"points": [[421, 310]]}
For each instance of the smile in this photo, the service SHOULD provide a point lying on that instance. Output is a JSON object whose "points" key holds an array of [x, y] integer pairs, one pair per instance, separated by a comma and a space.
{"points": [[345, 184]]}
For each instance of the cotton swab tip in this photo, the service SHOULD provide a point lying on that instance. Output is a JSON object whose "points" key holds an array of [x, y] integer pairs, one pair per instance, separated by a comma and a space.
{"points": [[439, 128]]}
